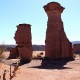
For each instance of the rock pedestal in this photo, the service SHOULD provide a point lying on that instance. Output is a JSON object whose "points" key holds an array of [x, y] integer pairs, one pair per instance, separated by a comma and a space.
{"points": [[57, 45], [23, 41]]}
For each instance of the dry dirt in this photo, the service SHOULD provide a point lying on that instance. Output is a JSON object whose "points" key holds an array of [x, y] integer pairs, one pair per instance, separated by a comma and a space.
{"points": [[49, 71]]}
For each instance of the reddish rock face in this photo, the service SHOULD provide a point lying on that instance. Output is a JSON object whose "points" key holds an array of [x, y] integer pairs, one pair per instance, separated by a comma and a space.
{"points": [[23, 35], [23, 41], [56, 43], [14, 53]]}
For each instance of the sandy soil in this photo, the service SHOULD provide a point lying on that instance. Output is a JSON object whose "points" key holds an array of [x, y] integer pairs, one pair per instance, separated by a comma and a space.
{"points": [[55, 70], [70, 71]]}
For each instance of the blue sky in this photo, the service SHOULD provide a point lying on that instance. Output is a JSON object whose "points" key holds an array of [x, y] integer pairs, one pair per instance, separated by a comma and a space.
{"points": [[14, 12]]}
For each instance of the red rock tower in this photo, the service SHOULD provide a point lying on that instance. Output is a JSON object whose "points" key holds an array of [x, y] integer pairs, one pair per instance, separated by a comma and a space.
{"points": [[24, 43], [23, 40], [57, 45]]}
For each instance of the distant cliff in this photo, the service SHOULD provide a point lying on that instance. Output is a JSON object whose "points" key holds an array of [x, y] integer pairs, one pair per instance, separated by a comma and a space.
{"points": [[75, 42], [38, 47], [35, 47]]}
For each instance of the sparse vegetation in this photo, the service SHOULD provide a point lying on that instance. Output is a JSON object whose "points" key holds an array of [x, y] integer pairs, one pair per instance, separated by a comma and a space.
{"points": [[38, 55], [16, 67], [1, 51], [4, 78]]}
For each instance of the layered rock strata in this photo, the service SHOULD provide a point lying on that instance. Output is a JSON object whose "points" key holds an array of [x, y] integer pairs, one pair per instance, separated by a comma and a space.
{"points": [[23, 41], [57, 45]]}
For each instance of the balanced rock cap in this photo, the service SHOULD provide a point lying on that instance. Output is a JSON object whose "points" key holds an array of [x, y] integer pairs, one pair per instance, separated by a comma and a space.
{"points": [[24, 24], [53, 6]]}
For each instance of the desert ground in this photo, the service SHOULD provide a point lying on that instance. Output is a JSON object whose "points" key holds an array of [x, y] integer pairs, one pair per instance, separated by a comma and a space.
{"points": [[54, 70]]}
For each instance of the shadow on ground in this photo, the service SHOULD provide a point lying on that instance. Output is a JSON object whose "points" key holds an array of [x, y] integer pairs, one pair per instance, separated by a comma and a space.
{"points": [[57, 64]]}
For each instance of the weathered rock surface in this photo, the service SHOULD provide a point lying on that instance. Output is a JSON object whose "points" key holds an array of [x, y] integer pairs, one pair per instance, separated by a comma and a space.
{"points": [[14, 53], [23, 41], [57, 45], [23, 35]]}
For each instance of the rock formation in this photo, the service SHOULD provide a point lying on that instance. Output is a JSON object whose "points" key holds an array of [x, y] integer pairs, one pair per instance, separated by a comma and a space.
{"points": [[13, 53], [57, 45], [23, 41]]}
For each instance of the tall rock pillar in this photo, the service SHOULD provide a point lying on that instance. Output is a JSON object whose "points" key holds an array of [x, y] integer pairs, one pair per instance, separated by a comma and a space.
{"points": [[24, 44], [57, 45], [23, 40]]}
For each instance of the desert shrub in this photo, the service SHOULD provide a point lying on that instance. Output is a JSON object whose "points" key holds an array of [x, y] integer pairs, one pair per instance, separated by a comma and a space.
{"points": [[38, 56], [1, 50]]}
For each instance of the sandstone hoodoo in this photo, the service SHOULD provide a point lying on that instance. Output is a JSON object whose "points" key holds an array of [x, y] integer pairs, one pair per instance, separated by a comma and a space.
{"points": [[57, 45], [24, 44]]}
